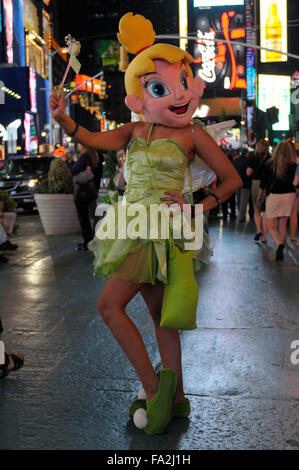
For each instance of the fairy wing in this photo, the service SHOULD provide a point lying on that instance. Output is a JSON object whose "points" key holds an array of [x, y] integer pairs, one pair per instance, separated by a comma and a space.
{"points": [[201, 173]]}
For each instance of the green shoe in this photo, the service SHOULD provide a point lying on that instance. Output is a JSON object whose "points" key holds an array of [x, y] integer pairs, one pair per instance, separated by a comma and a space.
{"points": [[158, 410], [181, 409]]}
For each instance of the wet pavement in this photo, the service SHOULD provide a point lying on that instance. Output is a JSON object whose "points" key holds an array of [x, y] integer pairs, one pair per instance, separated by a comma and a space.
{"points": [[76, 385]]}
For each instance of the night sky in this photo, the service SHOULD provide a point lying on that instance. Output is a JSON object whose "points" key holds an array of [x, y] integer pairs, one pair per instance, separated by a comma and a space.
{"points": [[92, 20]]}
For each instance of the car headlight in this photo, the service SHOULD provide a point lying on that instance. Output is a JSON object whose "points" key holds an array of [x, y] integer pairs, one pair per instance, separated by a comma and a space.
{"points": [[32, 183]]}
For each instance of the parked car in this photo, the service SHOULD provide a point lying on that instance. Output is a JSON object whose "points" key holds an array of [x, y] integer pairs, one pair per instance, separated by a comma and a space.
{"points": [[19, 176]]}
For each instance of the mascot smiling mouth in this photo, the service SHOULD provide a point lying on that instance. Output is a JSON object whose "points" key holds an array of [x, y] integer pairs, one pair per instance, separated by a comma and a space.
{"points": [[181, 109]]}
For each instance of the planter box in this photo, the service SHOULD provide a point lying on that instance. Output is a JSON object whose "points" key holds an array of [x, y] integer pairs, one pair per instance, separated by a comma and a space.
{"points": [[58, 214]]}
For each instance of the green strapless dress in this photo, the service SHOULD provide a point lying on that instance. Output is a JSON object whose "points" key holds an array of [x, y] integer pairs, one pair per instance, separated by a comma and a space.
{"points": [[143, 259]]}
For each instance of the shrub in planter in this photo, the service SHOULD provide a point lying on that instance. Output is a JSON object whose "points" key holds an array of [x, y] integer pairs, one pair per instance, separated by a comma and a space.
{"points": [[55, 201], [58, 181]]}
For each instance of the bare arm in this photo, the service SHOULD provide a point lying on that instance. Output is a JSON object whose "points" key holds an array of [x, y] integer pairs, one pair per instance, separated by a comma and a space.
{"points": [[109, 140], [209, 151]]}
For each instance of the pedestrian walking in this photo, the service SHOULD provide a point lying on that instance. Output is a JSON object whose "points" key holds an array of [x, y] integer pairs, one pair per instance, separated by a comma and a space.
{"points": [[294, 216], [87, 174], [277, 182], [240, 163], [229, 205], [160, 86], [255, 168]]}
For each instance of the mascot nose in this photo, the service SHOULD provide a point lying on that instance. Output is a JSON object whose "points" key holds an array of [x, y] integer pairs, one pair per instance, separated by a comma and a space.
{"points": [[178, 92]]}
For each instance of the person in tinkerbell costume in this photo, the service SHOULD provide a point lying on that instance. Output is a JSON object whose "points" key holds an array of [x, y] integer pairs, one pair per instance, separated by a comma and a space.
{"points": [[161, 88]]}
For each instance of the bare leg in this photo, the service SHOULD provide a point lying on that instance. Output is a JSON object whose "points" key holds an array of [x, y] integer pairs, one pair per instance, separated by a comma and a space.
{"points": [[257, 220], [282, 228], [168, 340], [272, 229], [265, 227], [112, 302]]}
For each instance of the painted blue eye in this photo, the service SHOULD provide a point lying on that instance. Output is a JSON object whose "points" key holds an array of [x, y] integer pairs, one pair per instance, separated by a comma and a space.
{"points": [[157, 89], [184, 80]]}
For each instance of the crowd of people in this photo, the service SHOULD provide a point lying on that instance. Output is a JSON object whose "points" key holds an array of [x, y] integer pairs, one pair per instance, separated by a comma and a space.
{"points": [[268, 194]]}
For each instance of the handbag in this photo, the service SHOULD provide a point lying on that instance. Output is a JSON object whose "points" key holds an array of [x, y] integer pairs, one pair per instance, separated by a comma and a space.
{"points": [[181, 291]]}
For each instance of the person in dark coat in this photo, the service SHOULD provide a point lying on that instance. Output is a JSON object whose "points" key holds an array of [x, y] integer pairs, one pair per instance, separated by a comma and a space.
{"points": [[256, 163], [86, 193], [240, 162]]}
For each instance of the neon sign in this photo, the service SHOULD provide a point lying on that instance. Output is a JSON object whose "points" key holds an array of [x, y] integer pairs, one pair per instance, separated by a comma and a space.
{"points": [[32, 88], [207, 50], [216, 3], [8, 9], [93, 86], [221, 61], [31, 141], [250, 52]]}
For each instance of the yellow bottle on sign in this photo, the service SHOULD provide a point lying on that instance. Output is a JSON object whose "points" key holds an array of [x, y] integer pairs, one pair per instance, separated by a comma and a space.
{"points": [[273, 34]]}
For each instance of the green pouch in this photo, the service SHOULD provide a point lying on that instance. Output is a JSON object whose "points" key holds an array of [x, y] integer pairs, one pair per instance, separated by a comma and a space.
{"points": [[180, 293]]}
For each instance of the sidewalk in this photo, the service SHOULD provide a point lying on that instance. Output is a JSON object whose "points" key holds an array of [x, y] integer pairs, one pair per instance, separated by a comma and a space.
{"points": [[76, 385]]}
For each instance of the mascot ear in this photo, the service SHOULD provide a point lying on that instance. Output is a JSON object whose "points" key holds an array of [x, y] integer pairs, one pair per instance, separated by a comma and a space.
{"points": [[134, 103], [199, 85]]}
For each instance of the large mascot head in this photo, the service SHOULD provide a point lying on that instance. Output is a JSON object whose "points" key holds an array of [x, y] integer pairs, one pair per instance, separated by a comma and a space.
{"points": [[159, 81]]}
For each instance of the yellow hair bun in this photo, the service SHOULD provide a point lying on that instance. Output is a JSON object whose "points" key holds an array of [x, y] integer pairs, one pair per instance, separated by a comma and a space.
{"points": [[135, 32]]}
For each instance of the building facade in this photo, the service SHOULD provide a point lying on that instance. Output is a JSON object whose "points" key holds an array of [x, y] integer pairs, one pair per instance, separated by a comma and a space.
{"points": [[27, 47]]}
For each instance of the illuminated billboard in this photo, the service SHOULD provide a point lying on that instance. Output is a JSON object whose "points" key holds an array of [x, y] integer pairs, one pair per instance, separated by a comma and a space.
{"points": [[250, 51], [217, 3], [273, 33], [220, 64], [275, 90], [183, 22]]}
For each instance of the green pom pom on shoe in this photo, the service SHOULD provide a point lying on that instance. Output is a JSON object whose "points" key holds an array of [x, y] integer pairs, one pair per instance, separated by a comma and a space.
{"points": [[181, 409]]}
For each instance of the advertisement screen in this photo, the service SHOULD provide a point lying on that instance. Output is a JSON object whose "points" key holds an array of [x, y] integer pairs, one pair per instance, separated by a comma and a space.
{"points": [[275, 90], [273, 34], [217, 3], [250, 51], [220, 64]]}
